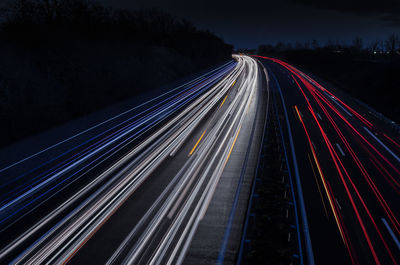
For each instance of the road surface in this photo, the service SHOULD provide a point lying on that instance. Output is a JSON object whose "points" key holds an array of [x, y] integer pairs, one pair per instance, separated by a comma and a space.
{"points": [[347, 168]]}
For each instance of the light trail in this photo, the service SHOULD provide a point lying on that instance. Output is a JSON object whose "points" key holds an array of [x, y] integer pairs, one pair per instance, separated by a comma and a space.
{"points": [[149, 138], [367, 172]]}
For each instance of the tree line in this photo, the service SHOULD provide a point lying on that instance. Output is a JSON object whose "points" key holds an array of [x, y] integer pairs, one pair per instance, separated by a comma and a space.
{"points": [[41, 21], [62, 59], [390, 45], [366, 70]]}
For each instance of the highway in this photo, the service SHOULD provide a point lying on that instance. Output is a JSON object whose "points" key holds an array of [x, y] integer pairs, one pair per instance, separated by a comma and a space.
{"points": [[134, 188], [167, 181], [346, 165]]}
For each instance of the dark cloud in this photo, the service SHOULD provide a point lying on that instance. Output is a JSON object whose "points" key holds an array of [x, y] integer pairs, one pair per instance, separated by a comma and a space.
{"points": [[386, 10], [391, 19], [355, 6]]}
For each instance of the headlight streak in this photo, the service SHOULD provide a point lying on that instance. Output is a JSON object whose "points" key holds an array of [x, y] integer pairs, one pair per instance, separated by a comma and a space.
{"points": [[203, 151], [200, 78], [118, 182], [143, 166], [187, 87], [84, 157], [85, 166], [217, 172]]}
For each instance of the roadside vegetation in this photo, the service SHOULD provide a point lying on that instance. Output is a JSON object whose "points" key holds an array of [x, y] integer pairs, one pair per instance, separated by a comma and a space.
{"points": [[367, 71], [63, 59]]}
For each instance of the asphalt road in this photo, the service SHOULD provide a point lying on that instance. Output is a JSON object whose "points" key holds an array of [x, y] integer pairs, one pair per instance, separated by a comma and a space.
{"points": [[348, 170], [135, 188]]}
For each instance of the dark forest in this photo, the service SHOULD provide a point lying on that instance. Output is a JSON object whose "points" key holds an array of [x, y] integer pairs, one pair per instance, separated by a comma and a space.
{"points": [[64, 59]]}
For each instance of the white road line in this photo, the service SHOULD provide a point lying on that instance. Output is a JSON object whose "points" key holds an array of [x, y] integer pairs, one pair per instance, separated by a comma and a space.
{"points": [[337, 103], [319, 116], [396, 241], [301, 114], [337, 202], [340, 149], [384, 146], [314, 146]]}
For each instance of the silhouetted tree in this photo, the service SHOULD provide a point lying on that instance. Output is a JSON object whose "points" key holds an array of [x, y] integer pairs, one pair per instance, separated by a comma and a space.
{"points": [[298, 45], [330, 45], [357, 45], [314, 44], [374, 46], [307, 45], [280, 46], [392, 43]]}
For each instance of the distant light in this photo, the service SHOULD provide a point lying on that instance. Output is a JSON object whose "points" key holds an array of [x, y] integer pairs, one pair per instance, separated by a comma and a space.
{"points": [[374, 52]]}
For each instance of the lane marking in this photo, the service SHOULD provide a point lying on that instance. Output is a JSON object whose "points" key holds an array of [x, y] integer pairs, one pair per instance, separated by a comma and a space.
{"points": [[319, 116], [337, 202], [340, 149], [298, 113], [234, 141], [315, 148], [340, 106], [234, 82], [197, 143], [329, 196], [319, 188], [295, 110], [396, 241], [223, 101]]}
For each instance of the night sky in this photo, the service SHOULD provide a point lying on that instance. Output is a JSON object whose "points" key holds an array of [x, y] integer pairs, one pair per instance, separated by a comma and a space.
{"points": [[246, 24]]}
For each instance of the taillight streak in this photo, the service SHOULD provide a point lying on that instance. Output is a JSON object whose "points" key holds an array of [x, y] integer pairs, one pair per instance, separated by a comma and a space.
{"points": [[336, 158]]}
